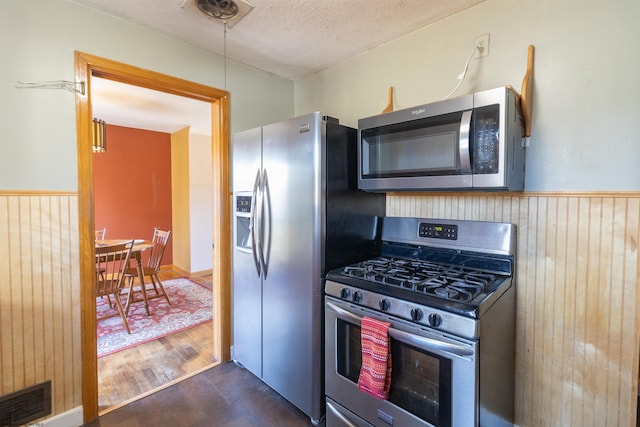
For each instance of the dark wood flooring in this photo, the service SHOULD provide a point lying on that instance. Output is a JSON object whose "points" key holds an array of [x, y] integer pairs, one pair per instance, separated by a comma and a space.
{"points": [[225, 395]]}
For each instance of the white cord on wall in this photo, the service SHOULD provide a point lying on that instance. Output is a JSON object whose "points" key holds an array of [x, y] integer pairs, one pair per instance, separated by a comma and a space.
{"points": [[463, 74]]}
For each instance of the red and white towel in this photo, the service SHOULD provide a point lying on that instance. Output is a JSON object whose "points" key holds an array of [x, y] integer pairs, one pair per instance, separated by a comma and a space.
{"points": [[375, 374]]}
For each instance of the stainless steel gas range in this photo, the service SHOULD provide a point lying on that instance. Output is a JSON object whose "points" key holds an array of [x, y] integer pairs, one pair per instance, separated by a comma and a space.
{"points": [[447, 289]]}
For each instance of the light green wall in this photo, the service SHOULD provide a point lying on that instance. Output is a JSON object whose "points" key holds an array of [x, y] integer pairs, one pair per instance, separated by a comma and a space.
{"points": [[37, 43], [586, 107], [586, 90]]}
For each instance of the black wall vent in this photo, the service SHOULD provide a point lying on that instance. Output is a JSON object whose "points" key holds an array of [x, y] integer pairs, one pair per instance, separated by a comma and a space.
{"points": [[25, 405]]}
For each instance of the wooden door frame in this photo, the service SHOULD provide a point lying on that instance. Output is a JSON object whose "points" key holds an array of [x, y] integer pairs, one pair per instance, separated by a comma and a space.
{"points": [[86, 66]]}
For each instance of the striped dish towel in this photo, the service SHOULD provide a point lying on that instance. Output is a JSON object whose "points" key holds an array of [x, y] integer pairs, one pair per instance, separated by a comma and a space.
{"points": [[375, 374]]}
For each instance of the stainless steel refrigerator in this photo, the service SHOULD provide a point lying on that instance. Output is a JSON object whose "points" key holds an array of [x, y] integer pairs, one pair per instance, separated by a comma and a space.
{"points": [[297, 215]]}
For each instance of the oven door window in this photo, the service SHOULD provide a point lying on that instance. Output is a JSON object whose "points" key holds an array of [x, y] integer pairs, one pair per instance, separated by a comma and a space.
{"points": [[420, 381]]}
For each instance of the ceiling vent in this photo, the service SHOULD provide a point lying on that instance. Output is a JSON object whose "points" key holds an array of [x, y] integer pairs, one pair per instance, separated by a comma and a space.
{"points": [[226, 11]]}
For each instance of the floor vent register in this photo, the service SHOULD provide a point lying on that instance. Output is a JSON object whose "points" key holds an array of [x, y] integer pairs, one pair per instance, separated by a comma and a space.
{"points": [[23, 406]]}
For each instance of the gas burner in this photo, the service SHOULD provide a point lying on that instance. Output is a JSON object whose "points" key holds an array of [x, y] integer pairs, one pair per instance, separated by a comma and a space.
{"points": [[457, 291], [444, 281], [446, 292]]}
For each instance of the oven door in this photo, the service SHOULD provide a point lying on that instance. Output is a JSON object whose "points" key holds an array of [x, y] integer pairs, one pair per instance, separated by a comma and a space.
{"points": [[433, 377]]}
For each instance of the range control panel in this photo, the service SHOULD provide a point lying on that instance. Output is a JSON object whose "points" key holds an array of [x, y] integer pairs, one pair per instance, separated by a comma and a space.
{"points": [[438, 231]]}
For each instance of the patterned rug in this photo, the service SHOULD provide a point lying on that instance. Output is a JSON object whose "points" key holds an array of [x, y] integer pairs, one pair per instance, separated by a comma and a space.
{"points": [[191, 306]]}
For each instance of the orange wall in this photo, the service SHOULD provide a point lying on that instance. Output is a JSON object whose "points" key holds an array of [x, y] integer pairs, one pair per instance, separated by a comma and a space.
{"points": [[132, 185]]}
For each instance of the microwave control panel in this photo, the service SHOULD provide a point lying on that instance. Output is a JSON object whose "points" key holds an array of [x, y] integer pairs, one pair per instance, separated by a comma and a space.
{"points": [[438, 231]]}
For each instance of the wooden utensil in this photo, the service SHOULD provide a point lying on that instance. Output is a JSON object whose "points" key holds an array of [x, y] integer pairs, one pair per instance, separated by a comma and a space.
{"points": [[526, 99], [389, 106]]}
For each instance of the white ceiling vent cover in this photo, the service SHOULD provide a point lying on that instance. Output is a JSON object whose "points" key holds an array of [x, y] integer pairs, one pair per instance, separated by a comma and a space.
{"points": [[229, 11]]}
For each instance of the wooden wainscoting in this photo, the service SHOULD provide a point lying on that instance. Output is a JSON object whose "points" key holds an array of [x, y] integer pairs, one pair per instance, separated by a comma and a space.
{"points": [[577, 328], [577, 322], [40, 295]]}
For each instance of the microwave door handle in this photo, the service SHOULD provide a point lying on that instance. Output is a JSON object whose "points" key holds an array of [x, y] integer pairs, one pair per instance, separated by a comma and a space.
{"points": [[464, 145], [424, 343]]}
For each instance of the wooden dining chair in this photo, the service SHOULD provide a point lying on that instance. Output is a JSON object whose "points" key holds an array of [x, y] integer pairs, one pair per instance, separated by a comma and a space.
{"points": [[112, 263], [101, 233], [160, 239]]}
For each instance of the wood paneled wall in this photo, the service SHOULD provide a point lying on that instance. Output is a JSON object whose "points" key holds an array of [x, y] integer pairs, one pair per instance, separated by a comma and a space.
{"points": [[577, 321], [40, 295]]}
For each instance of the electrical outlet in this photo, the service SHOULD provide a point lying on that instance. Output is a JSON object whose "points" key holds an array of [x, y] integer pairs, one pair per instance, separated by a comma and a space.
{"points": [[482, 44]]}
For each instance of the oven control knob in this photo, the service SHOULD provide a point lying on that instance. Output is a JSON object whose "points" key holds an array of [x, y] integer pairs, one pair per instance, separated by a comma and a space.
{"points": [[416, 314], [345, 293], [384, 304], [435, 319], [357, 296]]}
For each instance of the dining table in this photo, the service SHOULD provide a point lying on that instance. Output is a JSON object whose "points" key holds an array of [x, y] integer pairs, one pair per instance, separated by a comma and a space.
{"points": [[139, 246]]}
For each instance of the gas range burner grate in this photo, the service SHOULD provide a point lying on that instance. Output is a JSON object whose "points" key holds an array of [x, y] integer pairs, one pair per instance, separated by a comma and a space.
{"points": [[444, 281]]}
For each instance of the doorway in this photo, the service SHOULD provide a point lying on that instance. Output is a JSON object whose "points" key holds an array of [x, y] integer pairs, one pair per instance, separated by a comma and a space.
{"points": [[148, 178], [86, 67]]}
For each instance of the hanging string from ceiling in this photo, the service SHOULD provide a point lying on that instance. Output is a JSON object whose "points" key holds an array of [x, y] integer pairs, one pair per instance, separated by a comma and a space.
{"points": [[225, 55]]}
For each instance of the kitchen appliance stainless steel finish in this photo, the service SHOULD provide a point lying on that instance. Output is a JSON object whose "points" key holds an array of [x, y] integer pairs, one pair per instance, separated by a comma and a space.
{"points": [[298, 214], [470, 142], [447, 288]]}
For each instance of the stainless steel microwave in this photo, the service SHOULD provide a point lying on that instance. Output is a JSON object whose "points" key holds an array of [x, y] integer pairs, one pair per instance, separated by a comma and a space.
{"points": [[472, 142]]}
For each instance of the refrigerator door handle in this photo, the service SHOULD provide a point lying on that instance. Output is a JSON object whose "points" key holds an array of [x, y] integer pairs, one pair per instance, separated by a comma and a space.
{"points": [[253, 223], [260, 224], [266, 235]]}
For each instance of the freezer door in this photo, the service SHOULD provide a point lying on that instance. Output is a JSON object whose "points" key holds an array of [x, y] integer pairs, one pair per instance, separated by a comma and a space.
{"points": [[291, 291], [247, 283]]}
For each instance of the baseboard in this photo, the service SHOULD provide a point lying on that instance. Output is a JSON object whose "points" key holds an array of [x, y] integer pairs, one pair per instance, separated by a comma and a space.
{"points": [[176, 269], [186, 273], [201, 273], [71, 418]]}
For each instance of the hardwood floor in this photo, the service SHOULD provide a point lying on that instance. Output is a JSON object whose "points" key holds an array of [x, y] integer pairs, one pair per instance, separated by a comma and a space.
{"points": [[130, 374], [225, 395]]}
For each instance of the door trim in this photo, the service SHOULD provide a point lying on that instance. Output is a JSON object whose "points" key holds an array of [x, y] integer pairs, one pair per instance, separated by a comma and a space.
{"points": [[86, 66]]}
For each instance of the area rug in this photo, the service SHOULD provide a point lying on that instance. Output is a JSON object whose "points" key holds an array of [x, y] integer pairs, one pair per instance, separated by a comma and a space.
{"points": [[191, 306]]}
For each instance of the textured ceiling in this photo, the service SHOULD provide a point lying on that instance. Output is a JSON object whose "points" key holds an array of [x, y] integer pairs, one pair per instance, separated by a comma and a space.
{"points": [[290, 38]]}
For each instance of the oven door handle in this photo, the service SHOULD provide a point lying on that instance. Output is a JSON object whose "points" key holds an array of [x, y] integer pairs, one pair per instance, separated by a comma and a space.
{"points": [[430, 343], [423, 343]]}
